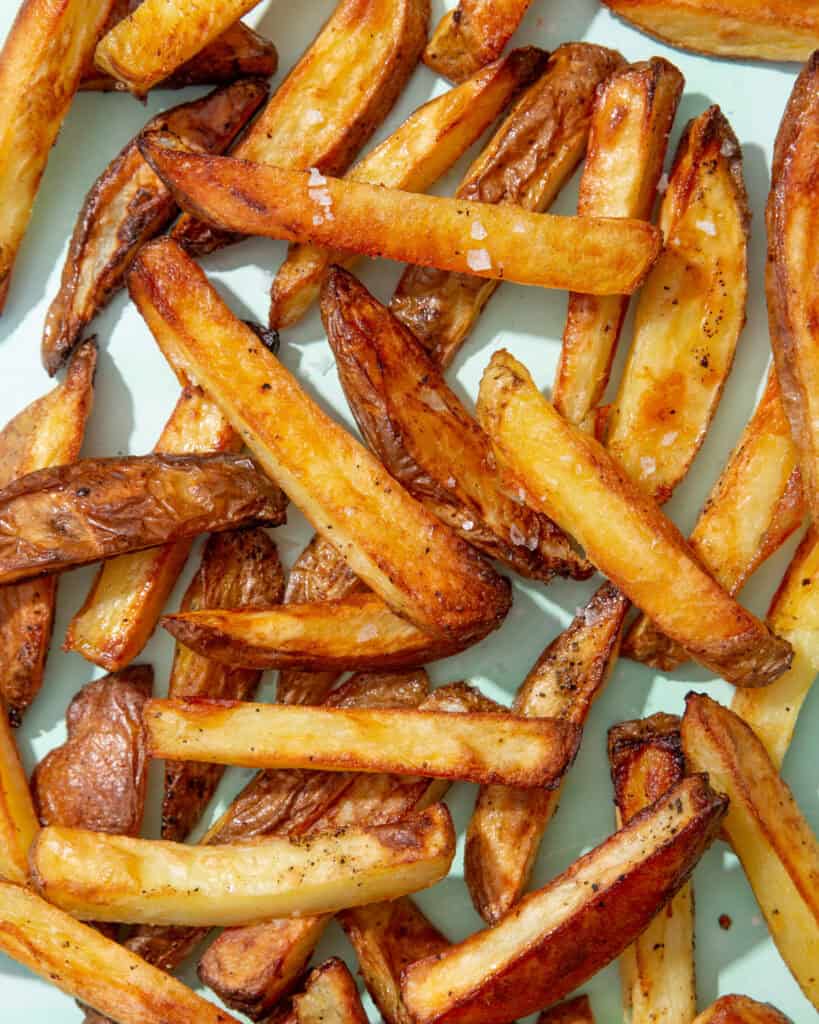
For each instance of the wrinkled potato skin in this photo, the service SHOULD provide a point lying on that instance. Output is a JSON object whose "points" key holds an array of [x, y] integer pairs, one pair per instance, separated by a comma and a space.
{"points": [[472, 35]]}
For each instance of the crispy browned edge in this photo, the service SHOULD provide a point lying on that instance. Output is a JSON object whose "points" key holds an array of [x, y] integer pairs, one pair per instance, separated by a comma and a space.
{"points": [[473, 34], [741, 1010], [573, 1011], [646, 759]]}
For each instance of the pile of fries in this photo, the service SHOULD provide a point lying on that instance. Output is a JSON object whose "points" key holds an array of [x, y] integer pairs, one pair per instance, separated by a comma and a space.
{"points": [[418, 526]]}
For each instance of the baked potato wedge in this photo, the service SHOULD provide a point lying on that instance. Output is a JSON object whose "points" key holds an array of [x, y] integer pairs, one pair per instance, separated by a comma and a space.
{"points": [[340, 90], [741, 1010], [473, 34], [528, 160], [573, 1011], [777, 30], [49, 432], [632, 116], [413, 562], [65, 516], [153, 882], [238, 568], [425, 146], [642, 549], [330, 997], [562, 934], [18, 820]]}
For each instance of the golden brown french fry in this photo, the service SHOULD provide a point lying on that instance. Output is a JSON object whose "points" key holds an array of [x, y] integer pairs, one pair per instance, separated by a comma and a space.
{"points": [[741, 1010], [472, 35], [775, 845], [333, 100], [775, 30], [143, 881], [49, 432], [330, 997], [526, 163], [418, 153], [657, 971], [633, 113], [570, 478], [413, 562], [573, 1011], [18, 821], [562, 934]]}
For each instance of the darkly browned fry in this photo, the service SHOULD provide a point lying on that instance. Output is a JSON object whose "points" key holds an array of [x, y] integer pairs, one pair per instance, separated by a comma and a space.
{"points": [[239, 568], [59, 518], [573, 1011], [49, 432], [472, 35], [561, 935], [427, 440], [741, 1010], [18, 820], [128, 205], [526, 163]]}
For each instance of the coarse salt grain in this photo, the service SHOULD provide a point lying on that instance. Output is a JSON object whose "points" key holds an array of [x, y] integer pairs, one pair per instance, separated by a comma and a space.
{"points": [[669, 438], [478, 259], [518, 228], [467, 524], [316, 178], [314, 116], [707, 227], [647, 464], [662, 184], [516, 536], [451, 481], [728, 148], [478, 230]]}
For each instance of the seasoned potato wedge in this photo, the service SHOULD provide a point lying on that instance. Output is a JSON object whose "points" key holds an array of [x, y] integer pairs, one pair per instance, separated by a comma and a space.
{"points": [[775, 30], [472, 35], [49, 432], [153, 882], [573, 1011], [526, 163], [418, 153], [632, 117], [637, 547], [40, 67], [741, 1010], [238, 568], [127, 205], [57, 518], [422, 433], [777, 849], [562, 934], [18, 821], [412, 561], [334, 98], [330, 997]]}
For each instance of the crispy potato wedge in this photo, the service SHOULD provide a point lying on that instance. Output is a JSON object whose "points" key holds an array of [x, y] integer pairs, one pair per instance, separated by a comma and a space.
{"points": [[427, 440], [643, 549], [775, 30], [777, 849], [690, 312], [562, 934], [633, 113], [154, 882], [657, 971], [18, 820], [341, 89], [412, 561], [49, 432], [573, 1011], [741, 1010], [330, 997], [238, 568], [65, 516], [128, 205], [527, 162], [472, 35], [418, 153], [40, 67]]}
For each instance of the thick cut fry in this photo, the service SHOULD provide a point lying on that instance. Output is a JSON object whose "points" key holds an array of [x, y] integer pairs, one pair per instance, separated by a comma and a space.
{"points": [[422, 433], [573, 1011], [49, 432], [418, 153], [128, 205], [777, 849], [472, 35], [58, 518], [637, 547], [561, 935], [18, 821], [40, 67], [741, 1010], [238, 569], [333, 100], [657, 971], [749, 29], [143, 881], [330, 997], [599, 255], [633, 114], [412, 561], [526, 163]]}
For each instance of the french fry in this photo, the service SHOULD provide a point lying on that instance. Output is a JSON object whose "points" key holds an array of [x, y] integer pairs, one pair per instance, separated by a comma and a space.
{"points": [[747, 29], [414, 563], [334, 98], [418, 153], [573, 1011], [636, 547], [657, 971], [49, 432], [154, 882], [561, 935], [633, 113], [330, 997], [472, 35], [741, 1010], [527, 162], [18, 821], [775, 845]]}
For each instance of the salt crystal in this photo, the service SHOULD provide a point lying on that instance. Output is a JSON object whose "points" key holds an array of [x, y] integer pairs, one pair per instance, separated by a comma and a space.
{"points": [[467, 524], [516, 536], [647, 464], [662, 184], [478, 259], [451, 481], [707, 227], [518, 228], [314, 116], [478, 230], [367, 632], [728, 148], [318, 219], [669, 438], [316, 178]]}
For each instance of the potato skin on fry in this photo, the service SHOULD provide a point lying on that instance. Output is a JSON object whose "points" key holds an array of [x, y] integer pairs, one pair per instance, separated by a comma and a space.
{"points": [[741, 1010], [472, 35], [573, 1011]]}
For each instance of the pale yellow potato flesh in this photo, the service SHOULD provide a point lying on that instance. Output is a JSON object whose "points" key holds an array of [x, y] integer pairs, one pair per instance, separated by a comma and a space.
{"points": [[472, 35], [330, 997], [18, 822]]}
